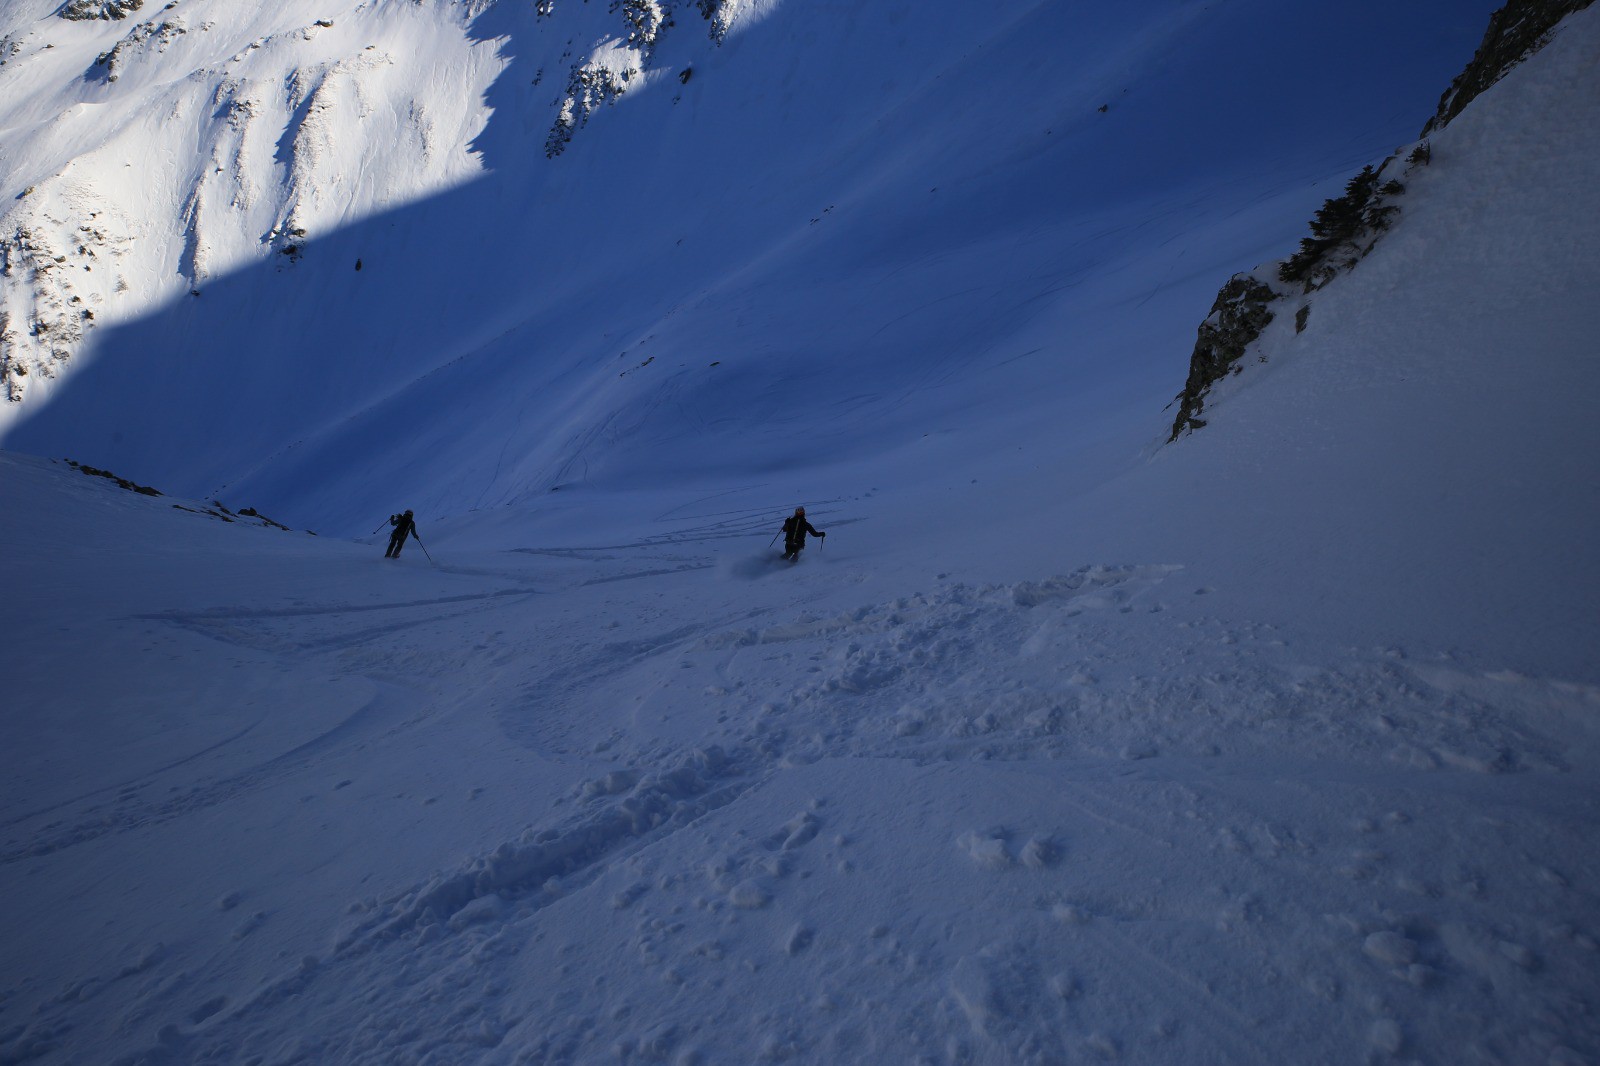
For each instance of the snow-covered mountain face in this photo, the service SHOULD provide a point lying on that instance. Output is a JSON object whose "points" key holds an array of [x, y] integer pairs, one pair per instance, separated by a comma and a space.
{"points": [[150, 149], [1278, 744], [320, 257]]}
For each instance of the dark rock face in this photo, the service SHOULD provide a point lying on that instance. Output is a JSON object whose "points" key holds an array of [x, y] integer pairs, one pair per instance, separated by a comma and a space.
{"points": [[131, 486], [1241, 311], [86, 10], [718, 13], [1515, 32]]}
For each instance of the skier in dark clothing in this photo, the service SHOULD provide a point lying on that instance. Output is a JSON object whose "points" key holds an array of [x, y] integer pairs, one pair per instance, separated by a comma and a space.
{"points": [[403, 524], [795, 528]]}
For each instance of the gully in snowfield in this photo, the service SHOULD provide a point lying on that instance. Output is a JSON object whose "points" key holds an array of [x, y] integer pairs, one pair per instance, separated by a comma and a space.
{"points": [[795, 528]]}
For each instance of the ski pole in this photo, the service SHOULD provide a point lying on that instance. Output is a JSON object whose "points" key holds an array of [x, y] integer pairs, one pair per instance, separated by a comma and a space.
{"points": [[423, 546], [374, 533], [774, 539]]}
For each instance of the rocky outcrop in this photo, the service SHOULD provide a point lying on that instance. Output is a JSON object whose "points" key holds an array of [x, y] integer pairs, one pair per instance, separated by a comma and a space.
{"points": [[145, 36], [88, 10], [1344, 230], [56, 272], [720, 14], [1515, 32], [1348, 227], [1242, 310], [645, 20], [122, 482], [617, 66], [589, 87], [609, 72]]}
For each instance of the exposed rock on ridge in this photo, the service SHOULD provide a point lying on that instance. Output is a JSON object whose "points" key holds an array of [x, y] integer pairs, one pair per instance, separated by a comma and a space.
{"points": [[1241, 311], [88, 10], [1515, 32], [616, 67], [1348, 227]]}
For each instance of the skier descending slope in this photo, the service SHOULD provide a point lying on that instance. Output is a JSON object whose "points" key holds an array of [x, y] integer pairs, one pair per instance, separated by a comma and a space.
{"points": [[403, 524], [795, 528]]}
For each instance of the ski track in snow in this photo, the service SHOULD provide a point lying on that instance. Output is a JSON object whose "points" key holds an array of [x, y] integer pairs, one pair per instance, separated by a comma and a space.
{"points": [[1151, 762], [141, 803]]}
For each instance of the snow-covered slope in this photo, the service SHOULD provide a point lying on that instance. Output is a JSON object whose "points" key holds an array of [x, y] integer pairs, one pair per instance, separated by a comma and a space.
{"points": [[830, 232], [1275, 745], [147, 154]]}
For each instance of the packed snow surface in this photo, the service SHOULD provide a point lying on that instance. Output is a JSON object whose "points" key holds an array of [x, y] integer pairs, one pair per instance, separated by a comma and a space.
{"points": [[1278, 744]]}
